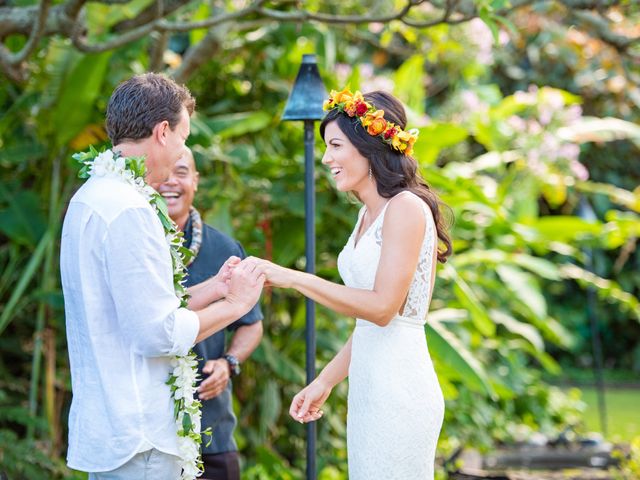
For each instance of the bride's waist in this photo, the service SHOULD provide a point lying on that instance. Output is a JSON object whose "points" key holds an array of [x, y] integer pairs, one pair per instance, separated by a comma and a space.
{"points": [[397, 321]]}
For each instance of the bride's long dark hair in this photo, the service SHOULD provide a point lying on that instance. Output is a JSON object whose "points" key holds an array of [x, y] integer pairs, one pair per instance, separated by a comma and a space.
{"points": [[393, 171]]}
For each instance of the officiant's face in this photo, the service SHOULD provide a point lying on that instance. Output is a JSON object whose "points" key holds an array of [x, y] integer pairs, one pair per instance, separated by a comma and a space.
{"points": [[349, 168], [168, 147], [180, 188]]}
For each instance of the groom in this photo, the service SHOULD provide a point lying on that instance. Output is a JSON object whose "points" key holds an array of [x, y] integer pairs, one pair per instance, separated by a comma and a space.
{"points": [[124, 323]]}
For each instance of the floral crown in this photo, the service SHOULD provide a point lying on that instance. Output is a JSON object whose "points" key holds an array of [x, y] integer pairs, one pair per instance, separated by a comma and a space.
{"points": [[372, 119]]}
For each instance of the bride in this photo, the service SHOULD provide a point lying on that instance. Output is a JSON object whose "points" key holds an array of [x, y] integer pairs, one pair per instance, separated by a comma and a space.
{"points": [[395, 405]]}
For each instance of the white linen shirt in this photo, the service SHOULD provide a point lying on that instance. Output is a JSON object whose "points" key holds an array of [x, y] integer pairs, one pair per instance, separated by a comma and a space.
{"points": [[123, 326]]}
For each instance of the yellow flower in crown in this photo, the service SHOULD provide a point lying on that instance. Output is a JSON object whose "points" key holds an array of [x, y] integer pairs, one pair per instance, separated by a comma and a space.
{"points": [[411, 142], [343, 96], [336, 98], [400, 140], [375, 122]]}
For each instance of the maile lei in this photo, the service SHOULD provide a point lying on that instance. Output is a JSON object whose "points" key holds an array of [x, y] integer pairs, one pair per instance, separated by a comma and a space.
{"points": [[184, 376]]}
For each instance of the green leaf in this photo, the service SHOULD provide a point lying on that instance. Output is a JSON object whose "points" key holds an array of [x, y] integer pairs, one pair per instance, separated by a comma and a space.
{"points": [[470, 301], [565, 228], [269, 407], [279, 363], [75, 106], [237, 124], [447, 349], [29, 272], [489, 19], [187, 425], [524, 286], [435, 137], [526, 331], [23, 220], [407, 84]]}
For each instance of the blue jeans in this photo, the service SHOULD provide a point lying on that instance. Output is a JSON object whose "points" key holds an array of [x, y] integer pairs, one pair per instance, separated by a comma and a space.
{"points": [[150, 465]]}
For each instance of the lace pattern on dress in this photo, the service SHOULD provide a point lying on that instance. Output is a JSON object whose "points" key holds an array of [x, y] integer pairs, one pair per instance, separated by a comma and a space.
{"points": [[417, 303]]}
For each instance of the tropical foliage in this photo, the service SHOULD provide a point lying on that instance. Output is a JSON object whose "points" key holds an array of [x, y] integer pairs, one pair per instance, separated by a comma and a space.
{"points": [[515, 134]]}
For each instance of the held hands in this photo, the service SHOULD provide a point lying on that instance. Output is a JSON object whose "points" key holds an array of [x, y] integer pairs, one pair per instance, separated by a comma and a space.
{"points": [[305, 406], [221, 279], [216, 382], [245, 283], [276, 275]]}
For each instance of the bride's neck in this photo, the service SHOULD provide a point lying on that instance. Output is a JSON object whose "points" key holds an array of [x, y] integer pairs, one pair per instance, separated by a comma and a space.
{"points": [[372, 200]]}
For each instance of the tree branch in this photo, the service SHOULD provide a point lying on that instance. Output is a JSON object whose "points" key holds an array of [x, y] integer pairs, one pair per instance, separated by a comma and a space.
{"points": [[160, 40], [120, 40], [603, 30], [34, 37], [305, 16], [147, 15], [212, 21], [63, 19]]}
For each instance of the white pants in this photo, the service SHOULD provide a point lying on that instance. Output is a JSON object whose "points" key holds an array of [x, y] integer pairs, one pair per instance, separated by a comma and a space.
{"points": [[149, 465]]}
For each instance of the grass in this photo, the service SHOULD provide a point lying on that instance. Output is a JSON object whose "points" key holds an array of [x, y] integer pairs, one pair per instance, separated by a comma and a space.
{"points": [[623, 412]]}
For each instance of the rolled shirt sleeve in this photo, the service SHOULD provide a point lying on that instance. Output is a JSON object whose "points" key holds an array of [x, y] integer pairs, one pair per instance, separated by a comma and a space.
{"points": [[140, 275]]}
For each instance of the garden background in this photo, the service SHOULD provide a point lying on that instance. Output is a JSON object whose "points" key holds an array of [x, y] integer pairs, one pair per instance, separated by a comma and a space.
{"points": [[528, 112]]}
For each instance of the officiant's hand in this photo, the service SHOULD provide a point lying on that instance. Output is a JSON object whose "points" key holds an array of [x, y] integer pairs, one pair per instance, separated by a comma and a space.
{"points": [[306, 405], [216, 382], [245, 284]]}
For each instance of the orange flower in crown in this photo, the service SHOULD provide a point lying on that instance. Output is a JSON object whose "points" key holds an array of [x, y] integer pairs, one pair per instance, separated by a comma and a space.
{"points": [[372, 119], [375, 122]]}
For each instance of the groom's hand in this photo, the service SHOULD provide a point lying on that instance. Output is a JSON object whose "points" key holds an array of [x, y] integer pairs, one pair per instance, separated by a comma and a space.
{"points": [[245, 284], [216, 382]]}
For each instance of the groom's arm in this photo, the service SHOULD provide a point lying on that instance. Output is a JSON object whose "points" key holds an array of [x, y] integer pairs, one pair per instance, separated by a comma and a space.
{"points": [[245, 285], [146, 305], [212, 289]]}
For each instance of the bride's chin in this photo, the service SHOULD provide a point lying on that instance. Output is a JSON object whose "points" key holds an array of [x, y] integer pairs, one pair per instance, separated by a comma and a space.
{"points": [[341, 188]]}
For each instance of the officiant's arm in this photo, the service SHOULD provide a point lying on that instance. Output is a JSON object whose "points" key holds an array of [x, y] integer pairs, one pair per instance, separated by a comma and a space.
{"points": [[402, 232]]}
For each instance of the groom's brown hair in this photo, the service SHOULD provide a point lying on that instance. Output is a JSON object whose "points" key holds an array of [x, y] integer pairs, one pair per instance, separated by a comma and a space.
{"points": [[143, 101]]}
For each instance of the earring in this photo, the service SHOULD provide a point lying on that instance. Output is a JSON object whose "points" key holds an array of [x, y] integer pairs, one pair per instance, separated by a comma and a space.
{"points": [[370, 174]]}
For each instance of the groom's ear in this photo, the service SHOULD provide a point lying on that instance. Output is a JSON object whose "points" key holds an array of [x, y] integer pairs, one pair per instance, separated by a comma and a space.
{"points": [[160, 131]]}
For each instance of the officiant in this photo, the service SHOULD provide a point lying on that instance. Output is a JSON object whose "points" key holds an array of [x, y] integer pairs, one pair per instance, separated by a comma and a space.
{"points": [[218, 364]]}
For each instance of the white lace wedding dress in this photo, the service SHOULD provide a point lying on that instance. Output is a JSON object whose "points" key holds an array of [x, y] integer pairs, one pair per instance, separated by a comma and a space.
{"points": [[395, 406]]}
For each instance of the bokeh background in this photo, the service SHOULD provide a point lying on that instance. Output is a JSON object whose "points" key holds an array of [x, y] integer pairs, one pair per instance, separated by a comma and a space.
{"points": [[528, 112]]}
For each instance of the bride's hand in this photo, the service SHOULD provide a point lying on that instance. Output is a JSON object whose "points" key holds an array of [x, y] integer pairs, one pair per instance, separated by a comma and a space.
{"points": [[306, 405], [276, 275], [221, 279]]}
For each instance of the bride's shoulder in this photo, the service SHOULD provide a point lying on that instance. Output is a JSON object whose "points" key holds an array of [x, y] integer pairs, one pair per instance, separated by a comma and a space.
{"points": [[406, 202], [406, 208]]}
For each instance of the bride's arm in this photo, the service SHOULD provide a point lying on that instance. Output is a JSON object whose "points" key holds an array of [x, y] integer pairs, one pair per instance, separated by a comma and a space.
{"points": [[403, 233], [306, 405]]}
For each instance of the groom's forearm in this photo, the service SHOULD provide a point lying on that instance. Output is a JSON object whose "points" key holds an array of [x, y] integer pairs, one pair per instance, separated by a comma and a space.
{"points": [[204, 293], [217, 316]]}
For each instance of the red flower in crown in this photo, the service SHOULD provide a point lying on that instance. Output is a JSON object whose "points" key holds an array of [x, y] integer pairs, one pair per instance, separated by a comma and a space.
{"points": [[361, 108], [390, 132]]}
